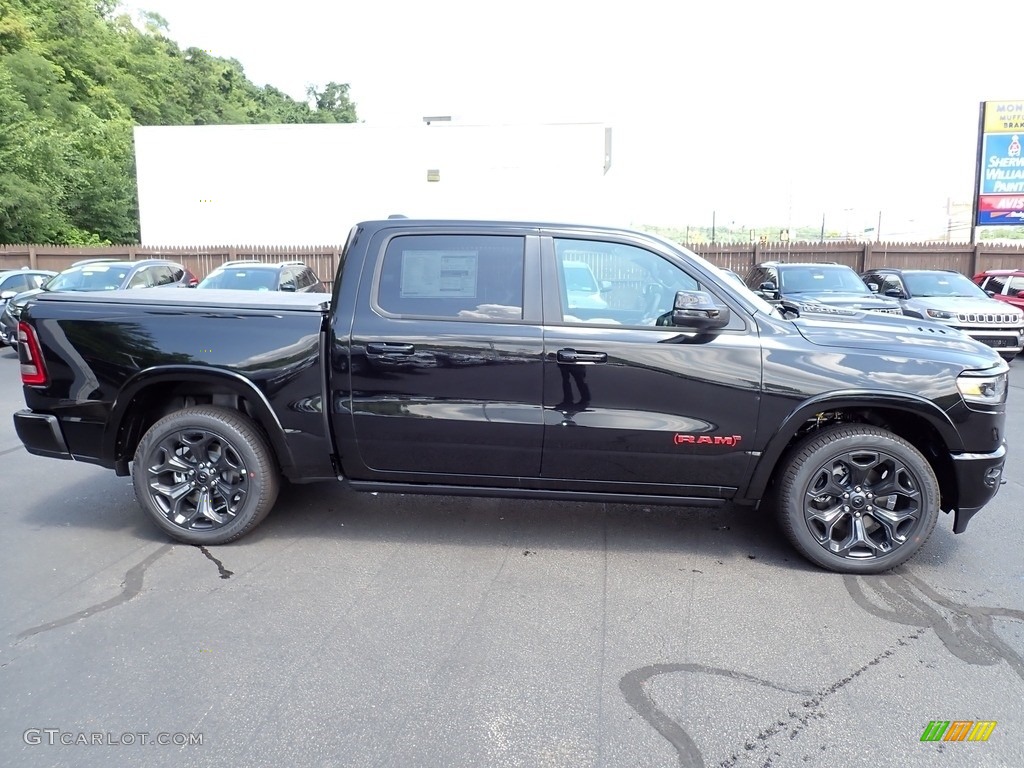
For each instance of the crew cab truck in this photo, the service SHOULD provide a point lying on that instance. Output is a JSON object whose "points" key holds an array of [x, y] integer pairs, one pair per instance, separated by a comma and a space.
{"points": [[452, 358]]}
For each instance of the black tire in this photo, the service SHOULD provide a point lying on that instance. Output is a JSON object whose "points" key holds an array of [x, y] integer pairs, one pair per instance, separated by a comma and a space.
{"points": [[857, 499], [205, 475]]}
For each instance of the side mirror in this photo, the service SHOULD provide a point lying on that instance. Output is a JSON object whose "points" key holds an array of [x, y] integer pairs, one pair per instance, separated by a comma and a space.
{"points": [[698, 310], [288, 287], [606, 285], [895, 293], [873, 287], [7, 295], [991, 294], [769, 290]]}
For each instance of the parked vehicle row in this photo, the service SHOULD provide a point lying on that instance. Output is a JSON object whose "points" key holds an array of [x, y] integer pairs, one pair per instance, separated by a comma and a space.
{"points": [[17, 287], [937, 295]]}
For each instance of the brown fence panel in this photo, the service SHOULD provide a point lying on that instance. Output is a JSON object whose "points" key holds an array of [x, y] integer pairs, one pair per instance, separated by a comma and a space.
{"points": [[739, 257]]}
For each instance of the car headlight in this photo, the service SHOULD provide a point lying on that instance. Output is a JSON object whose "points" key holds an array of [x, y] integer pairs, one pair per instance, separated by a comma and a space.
{"points": [[940, 314], [990, 390]]}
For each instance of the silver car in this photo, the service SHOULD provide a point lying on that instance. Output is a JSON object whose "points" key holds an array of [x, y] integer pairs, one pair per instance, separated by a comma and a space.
{"points": [[948, 297]]}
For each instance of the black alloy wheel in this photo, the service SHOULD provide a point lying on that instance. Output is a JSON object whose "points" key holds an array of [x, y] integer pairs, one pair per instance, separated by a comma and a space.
{"points": [[205, 475], [857, 499]]}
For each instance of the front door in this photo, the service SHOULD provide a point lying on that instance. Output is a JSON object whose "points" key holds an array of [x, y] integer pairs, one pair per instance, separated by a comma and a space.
{"points": [[632, 404]]}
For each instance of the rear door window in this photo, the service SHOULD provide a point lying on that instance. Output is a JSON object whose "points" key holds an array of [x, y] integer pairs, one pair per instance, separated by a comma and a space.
{"points": [[457, 277]]}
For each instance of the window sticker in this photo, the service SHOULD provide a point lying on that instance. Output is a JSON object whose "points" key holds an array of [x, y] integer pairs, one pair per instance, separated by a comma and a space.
{"points": [[439, 274]]}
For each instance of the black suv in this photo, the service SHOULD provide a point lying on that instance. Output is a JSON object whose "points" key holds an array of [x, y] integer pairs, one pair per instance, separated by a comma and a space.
{"points": [[802, 288], [292, 276]]}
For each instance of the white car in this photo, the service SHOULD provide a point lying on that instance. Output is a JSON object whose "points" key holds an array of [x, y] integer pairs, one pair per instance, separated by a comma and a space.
{"points": [[583, 291]]}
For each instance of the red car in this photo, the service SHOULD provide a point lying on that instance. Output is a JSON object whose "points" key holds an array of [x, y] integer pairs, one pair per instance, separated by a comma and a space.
{"points": [[1003, 284]]}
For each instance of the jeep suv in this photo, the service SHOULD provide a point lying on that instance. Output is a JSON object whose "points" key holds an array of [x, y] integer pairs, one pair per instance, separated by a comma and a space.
{"points": [[1003, 284], [833, 289], [947, 297]]}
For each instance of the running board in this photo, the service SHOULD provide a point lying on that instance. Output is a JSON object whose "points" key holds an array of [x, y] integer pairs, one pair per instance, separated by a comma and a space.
{"points": [[533, 493]]}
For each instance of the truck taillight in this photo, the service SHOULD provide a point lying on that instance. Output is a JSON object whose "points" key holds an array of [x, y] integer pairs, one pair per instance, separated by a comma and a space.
{"points": [[33, 370]]}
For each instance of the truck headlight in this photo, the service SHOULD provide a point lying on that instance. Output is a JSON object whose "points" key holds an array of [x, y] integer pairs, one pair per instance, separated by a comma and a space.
{"points": [[939, 314], [989, 390]]}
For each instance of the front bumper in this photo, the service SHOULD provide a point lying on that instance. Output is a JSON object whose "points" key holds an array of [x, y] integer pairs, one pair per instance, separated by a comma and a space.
{"points": [[978, 477], [41, 434]]}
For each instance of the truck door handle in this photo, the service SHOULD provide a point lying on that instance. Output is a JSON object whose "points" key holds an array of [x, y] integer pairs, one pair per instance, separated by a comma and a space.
{"points": [[387, 348], [573, 356]]}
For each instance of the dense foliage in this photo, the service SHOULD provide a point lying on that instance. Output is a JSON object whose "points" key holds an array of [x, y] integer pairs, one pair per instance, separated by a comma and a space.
{"points": [[74, 78]]}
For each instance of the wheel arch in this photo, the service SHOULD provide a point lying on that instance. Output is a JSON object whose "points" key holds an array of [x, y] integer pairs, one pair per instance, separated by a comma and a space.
{"points": [[916, 419], [156, 392]]}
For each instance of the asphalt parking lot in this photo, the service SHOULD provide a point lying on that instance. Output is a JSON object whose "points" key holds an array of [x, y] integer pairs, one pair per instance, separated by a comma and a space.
{"points": [[359, 630]]}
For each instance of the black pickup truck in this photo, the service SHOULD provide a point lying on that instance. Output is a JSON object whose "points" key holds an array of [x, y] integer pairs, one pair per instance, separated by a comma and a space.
{"points": [[528, 361]]}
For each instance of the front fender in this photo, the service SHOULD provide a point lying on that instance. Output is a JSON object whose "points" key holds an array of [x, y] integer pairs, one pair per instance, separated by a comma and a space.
{"points": [[903, 402]]}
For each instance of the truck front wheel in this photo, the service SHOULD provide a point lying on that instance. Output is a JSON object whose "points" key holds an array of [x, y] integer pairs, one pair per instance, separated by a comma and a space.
{"points": [[857, 499], [205, 475]]}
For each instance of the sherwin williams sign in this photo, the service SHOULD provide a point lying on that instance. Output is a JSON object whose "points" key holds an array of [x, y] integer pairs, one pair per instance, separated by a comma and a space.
{"points": [[1001, 167]]}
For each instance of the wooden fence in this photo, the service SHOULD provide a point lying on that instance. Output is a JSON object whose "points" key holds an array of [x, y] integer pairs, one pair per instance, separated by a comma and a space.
{"points": [[962, 257]]}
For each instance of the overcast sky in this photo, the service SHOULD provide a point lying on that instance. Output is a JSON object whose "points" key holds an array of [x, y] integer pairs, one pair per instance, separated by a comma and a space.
{"points": [[760, 111]]}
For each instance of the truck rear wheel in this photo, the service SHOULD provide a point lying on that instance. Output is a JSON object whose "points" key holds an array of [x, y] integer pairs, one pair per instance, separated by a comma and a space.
{"points": [[205, 475], [857, 499]]}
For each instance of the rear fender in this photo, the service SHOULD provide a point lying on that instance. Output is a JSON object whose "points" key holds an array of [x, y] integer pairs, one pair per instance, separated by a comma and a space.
{"points": [[118, 434]]}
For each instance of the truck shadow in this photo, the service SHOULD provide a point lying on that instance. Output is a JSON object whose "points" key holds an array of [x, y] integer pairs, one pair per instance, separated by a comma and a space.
{"points": [[325, 511]]}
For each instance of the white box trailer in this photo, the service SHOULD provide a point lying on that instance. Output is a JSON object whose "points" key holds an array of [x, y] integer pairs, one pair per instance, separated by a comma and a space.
{"points": [[307, 184]]}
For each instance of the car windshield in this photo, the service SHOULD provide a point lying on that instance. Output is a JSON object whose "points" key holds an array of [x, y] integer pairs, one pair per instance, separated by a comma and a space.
{"points": [[241, 279], [92, 277], [735, 282], [934, 284], [815, 279]]}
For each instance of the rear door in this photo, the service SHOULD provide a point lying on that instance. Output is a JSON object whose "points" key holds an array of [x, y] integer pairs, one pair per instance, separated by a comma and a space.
{"points": [[631, 403], [443, 371]]}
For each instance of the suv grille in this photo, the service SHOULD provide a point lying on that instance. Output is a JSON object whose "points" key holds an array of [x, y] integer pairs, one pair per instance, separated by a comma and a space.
{"points": [[1000, 318]]}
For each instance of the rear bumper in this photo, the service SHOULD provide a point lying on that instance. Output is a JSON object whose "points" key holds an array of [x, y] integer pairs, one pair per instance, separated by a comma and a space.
{"points": [[978, 476], [41, 434]]}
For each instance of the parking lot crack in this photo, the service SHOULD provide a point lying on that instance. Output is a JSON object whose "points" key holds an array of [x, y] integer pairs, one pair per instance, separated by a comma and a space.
{"points": [[967, 631], [224, 572], [131, 587], [635, 687]]}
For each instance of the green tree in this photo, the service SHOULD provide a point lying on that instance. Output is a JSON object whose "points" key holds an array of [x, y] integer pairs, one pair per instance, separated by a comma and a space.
{"points": [[75, 77]]}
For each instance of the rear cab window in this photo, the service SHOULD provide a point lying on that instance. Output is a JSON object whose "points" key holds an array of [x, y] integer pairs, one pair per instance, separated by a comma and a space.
{"points": [[452, 277]]}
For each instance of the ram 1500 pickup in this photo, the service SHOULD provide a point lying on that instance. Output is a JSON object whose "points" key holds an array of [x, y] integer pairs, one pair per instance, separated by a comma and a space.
{"points": [[456, 358]]}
